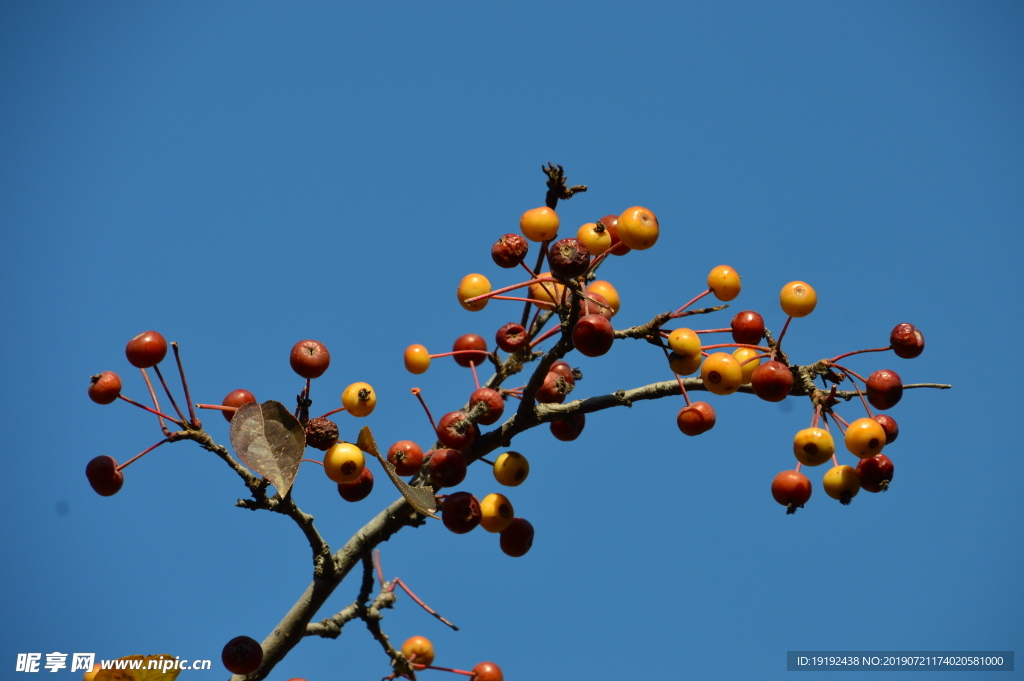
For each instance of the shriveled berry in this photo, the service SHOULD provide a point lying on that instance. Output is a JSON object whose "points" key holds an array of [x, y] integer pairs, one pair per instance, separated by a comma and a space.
{"points": [[511, 337], [321, 433], [554, 389], [509, 251], [568, 258], [104, 388]]}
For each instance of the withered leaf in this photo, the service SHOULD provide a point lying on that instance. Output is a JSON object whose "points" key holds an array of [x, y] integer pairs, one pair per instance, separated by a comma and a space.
{"points": [[420, 498], [269, 440], [143, 673]]}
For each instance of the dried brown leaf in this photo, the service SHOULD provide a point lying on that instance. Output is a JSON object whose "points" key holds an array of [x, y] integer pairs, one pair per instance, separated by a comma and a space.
{"points": [[269, 440], [420, 498]]}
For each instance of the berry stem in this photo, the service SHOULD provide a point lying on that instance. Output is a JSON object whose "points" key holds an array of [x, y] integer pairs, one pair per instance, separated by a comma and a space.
{"points": [[417, 392], [219, 407], [761, 356], [596, 262], [528, 300], [544, 336], [817, 416], [676, 313], [153, 411], [156, 403], [490, 463], [446, 669], [196, 423], [458, 352], [476, 380], [423, 605], [840, 421], [735, 345], [333, 411], [857, 352], [313, 461], [852, 373], [682, 388], [712, 330], [861, 396], [537, 268], [376, 565], [143, 453], [506, 289], [159, 374], [798, 464], [778, 343]]}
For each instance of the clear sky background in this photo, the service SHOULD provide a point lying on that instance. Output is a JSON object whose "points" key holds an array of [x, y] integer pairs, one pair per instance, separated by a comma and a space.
{"points": [[240, 176]]}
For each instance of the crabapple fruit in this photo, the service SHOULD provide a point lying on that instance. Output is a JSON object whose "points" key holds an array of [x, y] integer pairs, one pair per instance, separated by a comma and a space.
{"points": [[242, 655], [309, 358], [359, 399], [875, 473], [841, 483], [418, 650], [568, 258], [747, 327], [417, 359], [509, 251], [145, 350], [104, 388], [792, 489], [772, 381], [470, 341], [865, 437], [539, 224], [885, 389], [593, 335], [721, 373], [447, 467], [344, 462], [471, 286], [813, 446], [406, 456], [511, 468], [103, 476], [724, 283], [236, 398], [569, 428], [798, 299], [496, 513], [906, 341], [454, 430], [358, 489], [696, 418], [511, 337], [637, 228], [517, 538], [461, 512]]}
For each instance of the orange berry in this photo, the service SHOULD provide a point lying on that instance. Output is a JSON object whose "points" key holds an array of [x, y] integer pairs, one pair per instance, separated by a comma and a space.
{"points": [[344, 462], [539, 224], [359, 399], [596, 238], [511, 468], [638, 228], [421, 647], [471, 286], [496, 512], [548, 291], [417, 359], [865, 437], [742, 355], [684, 342], [798, 299], [841, 483], [721, 373], [605, 289], [813, 446], [684, 365], [724, 282]]}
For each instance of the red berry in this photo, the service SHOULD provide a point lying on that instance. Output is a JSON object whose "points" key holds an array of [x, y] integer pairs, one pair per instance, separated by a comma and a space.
{"points": [[772, 381], [568, 258], [597, 305], [889, 425], [611, 223], [517, 538], [406, 456], [493, 402], [460, 512], [747, 328], [593, 335], [447, 467], [470, 341], [455, 431], [875, 473], [236, 398], [509, 251], [358, 489], [697, 418], [105, 387], [145, 350], [885, 389], [791, 489], [554, 389], [511, 337], [242, 655], [487, 671], [310, 358], [103, 475], [563, 369], [569, 428], [906, 341]]}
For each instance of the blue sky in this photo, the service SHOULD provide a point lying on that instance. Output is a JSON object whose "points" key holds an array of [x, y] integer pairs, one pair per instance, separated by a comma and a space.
{"points": [[241, 176]]}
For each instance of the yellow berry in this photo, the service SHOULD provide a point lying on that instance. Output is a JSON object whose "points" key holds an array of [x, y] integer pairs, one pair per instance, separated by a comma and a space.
{"points": [[724, 282], [511, 468], [471, 286], [539, 224], [813, 446], [742, 355], [495, 512], [865, 437], [597, 241], [721, 373], [841, 483], [684, 342], [638, 228], [359, 399], [344, 462], [605, 289], [417, 359], [798, 299], [684, 365], [548, 291], [421, 647]]}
